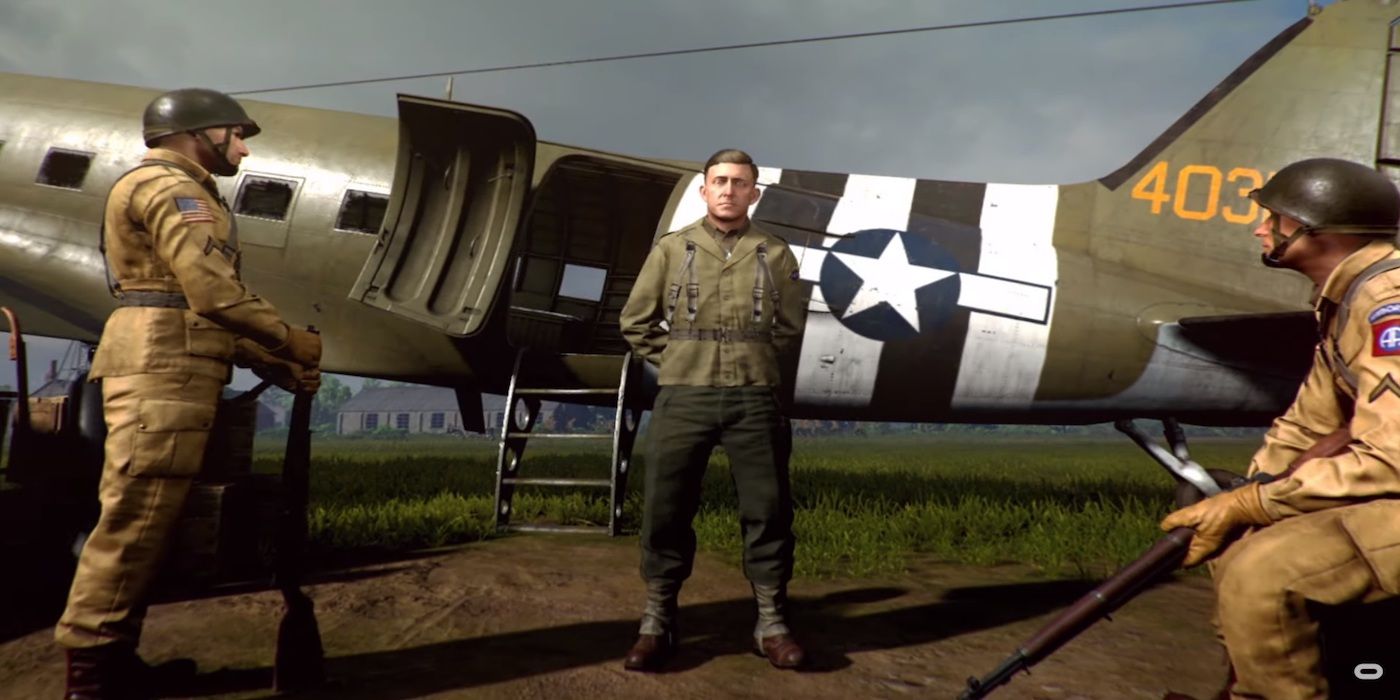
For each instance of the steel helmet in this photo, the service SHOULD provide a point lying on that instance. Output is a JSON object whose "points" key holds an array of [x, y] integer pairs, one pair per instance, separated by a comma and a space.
{"points": [[1329, 195], [192, 109]]}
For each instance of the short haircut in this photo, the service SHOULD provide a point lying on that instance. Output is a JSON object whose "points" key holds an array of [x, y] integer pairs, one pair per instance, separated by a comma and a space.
{"points": [[731, 155]]}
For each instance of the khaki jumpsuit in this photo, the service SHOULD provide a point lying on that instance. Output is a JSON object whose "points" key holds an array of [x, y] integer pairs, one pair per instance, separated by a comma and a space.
{"points": [[1337, 535], [719, 324], [165, 354]]}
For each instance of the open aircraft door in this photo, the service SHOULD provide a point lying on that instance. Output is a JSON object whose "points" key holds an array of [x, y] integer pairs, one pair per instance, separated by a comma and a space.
{"points": [[460, 187]]}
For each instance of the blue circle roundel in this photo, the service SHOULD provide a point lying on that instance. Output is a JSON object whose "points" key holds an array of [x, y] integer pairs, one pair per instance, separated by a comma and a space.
{"points": [[890, 285]]}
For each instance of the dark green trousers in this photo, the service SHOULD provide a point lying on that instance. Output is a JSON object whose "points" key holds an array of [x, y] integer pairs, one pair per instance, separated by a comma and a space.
{"points": [[687, 423]]}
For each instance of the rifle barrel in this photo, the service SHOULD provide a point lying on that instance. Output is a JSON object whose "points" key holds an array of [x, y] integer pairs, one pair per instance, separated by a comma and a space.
{"points": [[1163, 557]]}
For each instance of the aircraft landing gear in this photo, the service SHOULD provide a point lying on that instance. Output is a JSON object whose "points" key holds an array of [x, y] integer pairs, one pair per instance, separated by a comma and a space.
{"points": [[1194, 481]]}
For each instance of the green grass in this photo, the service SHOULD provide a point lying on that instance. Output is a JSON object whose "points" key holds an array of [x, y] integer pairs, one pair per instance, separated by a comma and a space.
{"points": [[864, 505]]}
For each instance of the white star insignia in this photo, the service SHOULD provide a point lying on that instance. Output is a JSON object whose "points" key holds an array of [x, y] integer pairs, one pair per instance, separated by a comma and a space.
{"points": [[889, 279]]}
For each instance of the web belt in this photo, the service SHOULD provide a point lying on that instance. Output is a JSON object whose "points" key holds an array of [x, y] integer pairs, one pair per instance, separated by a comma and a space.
{"points": [[159, 300], [721, 335]]}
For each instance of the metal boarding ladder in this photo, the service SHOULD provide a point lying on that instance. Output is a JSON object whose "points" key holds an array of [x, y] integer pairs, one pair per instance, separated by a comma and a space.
{"points": [[565, 376]]}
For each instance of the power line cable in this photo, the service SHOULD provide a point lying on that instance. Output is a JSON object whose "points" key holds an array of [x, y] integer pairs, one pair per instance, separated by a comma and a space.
{"points": [[750, 45]]}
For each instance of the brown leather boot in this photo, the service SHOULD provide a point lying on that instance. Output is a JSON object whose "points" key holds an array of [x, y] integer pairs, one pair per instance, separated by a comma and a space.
{"points": [[115, 672], [656, 640], [88, 671], [651, 652], [772, 638], [782, 651]]}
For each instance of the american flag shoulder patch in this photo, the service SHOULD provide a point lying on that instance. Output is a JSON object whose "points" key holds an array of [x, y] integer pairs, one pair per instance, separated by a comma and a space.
{"points": [[194, 210]]}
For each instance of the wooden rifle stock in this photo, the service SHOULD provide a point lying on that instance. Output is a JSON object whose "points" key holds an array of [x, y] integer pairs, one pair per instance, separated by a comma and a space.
{"points": [[300, 660], [1164, 556]]}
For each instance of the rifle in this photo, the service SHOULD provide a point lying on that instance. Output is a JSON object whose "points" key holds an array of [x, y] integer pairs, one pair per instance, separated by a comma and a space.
{"points": [[1162, 558], [300, 660]]}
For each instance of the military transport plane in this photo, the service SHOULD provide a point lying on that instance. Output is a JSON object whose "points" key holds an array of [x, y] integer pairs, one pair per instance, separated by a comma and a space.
{"points": [[429, 247]]}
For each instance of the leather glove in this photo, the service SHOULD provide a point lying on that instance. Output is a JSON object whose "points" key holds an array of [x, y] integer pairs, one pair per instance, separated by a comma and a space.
{"points": [[278, 373], [289, 376], [1217, 518], [302, 346], [309, 382]]}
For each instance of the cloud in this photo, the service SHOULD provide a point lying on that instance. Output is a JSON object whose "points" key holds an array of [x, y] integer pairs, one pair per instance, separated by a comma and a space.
{"points": [[1049, 101]]}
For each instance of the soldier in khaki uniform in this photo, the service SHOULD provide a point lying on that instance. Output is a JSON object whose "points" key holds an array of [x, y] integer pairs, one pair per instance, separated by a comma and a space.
{"points": [[183, 316], [717, 307], [1327, 529]]}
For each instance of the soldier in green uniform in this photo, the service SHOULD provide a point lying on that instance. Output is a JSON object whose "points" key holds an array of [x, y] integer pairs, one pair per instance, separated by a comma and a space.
{"points": [[716, 307], [183, 317]]}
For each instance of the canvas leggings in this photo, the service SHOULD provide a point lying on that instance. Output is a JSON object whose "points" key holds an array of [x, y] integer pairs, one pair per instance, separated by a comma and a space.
{"points": [[1265, 580], [157, 428]]}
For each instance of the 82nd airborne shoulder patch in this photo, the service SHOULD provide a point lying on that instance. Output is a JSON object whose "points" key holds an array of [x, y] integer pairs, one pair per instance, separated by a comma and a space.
{"points": [[1385, 330]]}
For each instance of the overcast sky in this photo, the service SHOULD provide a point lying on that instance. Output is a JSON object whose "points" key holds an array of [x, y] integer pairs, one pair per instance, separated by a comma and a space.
{"points": [[1043, 102]]}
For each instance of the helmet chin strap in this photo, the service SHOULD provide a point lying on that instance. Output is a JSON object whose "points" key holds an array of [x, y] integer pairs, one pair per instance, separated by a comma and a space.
{"points": [[222, 166], [1274, 258]]}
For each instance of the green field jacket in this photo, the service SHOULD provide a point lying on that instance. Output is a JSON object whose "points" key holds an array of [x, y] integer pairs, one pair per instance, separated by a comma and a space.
{"points": [[711, 319]]}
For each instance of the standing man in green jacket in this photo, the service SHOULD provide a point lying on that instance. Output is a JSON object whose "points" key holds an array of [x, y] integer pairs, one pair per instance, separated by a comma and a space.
{"points": [[716, 307]]}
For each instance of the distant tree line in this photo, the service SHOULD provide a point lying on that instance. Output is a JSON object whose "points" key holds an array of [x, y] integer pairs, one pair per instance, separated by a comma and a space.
{"points": [[333, 394], [808, 427]]}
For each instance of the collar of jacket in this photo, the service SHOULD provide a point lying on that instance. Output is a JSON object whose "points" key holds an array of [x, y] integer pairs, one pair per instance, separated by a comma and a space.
{"points": [[702, 233], [201, 175], [1337, 283]]}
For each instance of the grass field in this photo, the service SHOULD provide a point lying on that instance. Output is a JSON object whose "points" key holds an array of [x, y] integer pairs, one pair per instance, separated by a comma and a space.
{"points": [[1069, 505]]}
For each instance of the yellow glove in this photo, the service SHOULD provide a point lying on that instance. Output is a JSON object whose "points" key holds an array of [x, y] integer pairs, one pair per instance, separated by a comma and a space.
{"points": [[302, 346], [309, 382], [282, 373], [290, 376], [1217, 518]]}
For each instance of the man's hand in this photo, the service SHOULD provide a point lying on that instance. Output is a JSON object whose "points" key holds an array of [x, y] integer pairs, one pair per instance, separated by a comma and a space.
{"points": [[1216, 519], [289, 376], [303, 346]]}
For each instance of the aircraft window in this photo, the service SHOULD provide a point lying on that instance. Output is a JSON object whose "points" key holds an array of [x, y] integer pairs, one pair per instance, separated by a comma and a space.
{"points": [[362, 212], [539, 275], [265, 198], [371, 421], [401, 421], [65, 169], [582, 282]]}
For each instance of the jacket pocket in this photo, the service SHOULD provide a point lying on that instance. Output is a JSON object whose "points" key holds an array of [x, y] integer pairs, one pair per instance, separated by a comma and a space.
{"points": [[1373, 529], [170, 438], [204, 338]]}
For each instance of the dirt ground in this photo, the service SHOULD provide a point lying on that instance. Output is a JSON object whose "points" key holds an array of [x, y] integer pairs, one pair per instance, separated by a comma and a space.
{"points": [[539, 616]]}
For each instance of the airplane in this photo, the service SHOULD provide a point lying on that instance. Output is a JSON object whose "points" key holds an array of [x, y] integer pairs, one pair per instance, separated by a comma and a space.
{"points": [[434, 247], [431, 248]]}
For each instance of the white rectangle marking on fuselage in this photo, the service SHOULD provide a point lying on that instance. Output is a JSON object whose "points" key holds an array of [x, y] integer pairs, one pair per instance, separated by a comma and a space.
{"points": [[1004, 297], [1003, 357]]}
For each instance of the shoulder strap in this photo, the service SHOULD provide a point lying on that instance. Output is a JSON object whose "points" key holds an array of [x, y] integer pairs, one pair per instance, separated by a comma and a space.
{"points": [[1339, 321], [692, 289], [763, 275]]}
